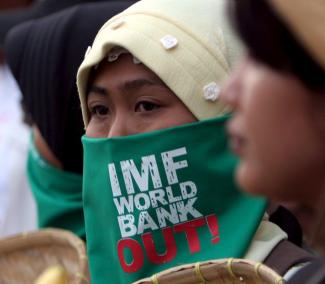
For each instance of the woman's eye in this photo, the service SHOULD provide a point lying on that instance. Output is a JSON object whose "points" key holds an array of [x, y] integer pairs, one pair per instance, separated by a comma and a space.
{"points": [[145, 106], [99, 110]]}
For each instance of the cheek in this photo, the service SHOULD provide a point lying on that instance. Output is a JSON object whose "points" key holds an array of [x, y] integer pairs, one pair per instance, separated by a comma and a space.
{"points": [[175, 119], [252, 177], [161, 121], [97, 129], [285, 164], [283, 155], [178, 115], [174, 115]]}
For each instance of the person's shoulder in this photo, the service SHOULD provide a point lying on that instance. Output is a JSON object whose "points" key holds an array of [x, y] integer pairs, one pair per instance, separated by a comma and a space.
{"points": [[313, 273], [286, 256]]}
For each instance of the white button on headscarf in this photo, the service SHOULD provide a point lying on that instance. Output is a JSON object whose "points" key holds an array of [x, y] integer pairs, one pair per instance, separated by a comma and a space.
{"points": [[169, 41], [115, 53], [211, 91]]}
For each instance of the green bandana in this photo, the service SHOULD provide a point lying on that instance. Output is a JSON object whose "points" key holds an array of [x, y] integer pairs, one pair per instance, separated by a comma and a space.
{"points": [[58, 194], [161, 199]]}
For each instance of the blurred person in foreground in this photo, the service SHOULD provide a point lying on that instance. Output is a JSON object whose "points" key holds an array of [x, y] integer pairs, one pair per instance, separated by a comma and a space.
{"points": [[44, 55], [278, 95]]}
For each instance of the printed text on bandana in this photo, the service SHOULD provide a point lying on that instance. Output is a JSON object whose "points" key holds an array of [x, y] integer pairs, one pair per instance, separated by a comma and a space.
{"points": [[144, 205]]}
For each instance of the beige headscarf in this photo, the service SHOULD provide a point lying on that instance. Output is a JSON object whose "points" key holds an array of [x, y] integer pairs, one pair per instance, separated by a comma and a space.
{"points": [[188, 44]]}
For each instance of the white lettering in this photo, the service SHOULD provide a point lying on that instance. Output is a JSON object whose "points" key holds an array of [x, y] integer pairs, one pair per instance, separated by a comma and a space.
{"points": [[146, 222], [123, 203], [148, 165], [145, 200], [171, 166], [188, 185], [163, 214], [170, 195], [157, 195], [114, 180], [127, 227], [184, 210]]}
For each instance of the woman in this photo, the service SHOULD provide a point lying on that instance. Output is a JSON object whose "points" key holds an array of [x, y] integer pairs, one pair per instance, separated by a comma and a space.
{"points": [[278, 95], [44, 56], [278, 98], [158, 187]]}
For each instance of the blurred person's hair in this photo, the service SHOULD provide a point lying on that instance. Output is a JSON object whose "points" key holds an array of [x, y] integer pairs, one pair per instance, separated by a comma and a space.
{"points": [[269, 41], [14, 4]]}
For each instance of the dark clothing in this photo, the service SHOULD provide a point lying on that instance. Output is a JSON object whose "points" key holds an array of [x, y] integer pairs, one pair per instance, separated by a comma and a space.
{"points": [[287, 255], [12, 17], [288, 223], [313, 273], [44, 56]]}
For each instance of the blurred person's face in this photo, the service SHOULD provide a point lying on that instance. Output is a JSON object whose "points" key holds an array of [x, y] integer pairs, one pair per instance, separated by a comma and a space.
{"points": [[126, 98], [278, 132]]}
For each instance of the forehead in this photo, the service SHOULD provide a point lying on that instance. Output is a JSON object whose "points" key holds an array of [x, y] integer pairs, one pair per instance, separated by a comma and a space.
{"points": [[123, 69]]}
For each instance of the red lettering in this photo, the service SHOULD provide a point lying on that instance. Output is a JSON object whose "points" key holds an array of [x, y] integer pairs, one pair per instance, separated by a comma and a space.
{"points": [[213, 227], [171, 249], [137, 254], [191, 234]]}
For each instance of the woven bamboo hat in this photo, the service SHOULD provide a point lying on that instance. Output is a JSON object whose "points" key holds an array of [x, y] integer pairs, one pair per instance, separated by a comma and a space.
{"points": [[306, 19], [23, 258], [222, 271]]}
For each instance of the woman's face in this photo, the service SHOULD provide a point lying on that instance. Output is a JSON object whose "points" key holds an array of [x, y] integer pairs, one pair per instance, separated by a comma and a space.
{"points": [[278, 131], [126, 98]]}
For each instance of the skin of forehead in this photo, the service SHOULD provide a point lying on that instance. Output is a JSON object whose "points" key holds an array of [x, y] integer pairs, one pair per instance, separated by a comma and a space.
{"points": [[149, 74]]}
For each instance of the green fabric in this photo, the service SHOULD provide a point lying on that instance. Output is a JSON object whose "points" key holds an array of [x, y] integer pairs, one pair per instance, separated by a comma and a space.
{"points": [[185, 207], [58, 194]]}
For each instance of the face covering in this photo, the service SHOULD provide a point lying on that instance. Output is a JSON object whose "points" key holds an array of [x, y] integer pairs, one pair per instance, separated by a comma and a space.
{"points": [[58, 194], [160, 199]]}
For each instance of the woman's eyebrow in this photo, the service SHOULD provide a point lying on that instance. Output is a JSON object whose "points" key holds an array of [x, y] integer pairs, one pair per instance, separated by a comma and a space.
{"points": [[137, 84], [127, 86], [97, 90]]}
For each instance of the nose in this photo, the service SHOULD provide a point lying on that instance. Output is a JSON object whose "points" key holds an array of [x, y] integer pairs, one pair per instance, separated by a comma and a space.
{"points": [[118, 127], [231, 91]]}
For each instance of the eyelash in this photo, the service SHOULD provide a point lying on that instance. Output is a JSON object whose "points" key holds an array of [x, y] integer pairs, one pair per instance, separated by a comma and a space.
{"points": [[96, 109], [101, 110], [152, 104]]}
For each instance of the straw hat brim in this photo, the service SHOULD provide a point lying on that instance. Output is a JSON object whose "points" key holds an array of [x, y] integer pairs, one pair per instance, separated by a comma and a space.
{"points": [[24, 257], [216, 271]]}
